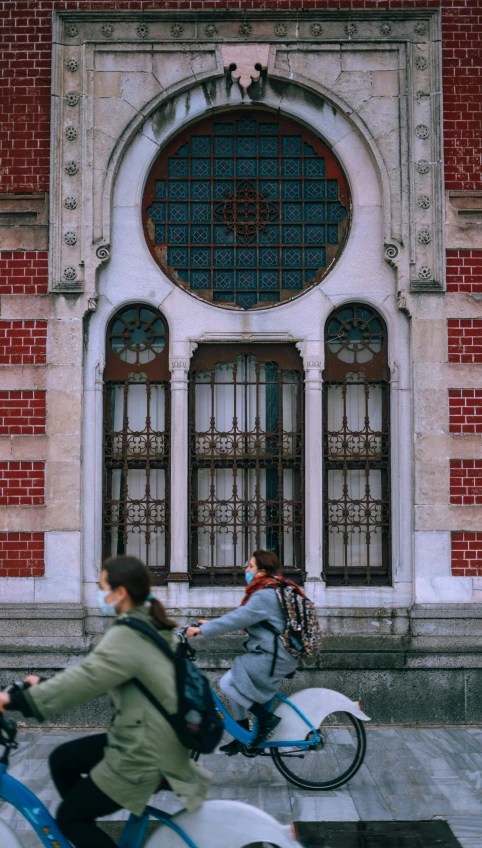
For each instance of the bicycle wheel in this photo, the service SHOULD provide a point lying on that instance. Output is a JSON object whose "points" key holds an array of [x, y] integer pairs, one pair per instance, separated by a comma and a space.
{"points": [[332, 761]]}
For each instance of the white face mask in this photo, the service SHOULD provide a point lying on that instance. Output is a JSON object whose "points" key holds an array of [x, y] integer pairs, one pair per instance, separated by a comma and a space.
{"points": [[107, 609]]}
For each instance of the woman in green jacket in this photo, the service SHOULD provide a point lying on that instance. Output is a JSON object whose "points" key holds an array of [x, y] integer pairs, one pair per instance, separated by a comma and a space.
{"points": [[124, 766]]}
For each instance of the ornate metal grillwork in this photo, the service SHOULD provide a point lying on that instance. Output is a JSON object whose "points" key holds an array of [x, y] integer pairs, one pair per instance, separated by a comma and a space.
{"points": [[356, 449], [136, 439], [246, 210], [246, 459]]}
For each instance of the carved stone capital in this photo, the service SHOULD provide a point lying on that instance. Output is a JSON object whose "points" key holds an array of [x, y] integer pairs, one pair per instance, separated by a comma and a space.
{"points": [[247, 59]]}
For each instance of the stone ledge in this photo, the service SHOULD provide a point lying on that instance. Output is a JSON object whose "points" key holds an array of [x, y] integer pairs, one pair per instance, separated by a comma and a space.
{"points": [[24, 221]]}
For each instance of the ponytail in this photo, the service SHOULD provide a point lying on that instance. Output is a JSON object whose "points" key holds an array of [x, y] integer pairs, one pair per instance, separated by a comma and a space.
{"points": [[134, 576]]}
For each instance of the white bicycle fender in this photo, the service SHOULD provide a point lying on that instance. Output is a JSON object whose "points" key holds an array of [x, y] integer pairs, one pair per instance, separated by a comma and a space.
{"points": [[224, 824], [7, 838], [316, 705]]}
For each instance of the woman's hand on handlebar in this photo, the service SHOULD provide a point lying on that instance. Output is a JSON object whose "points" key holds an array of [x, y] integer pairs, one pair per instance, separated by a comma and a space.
{"points": [[4, 700], [193, 631], [33, 679]]}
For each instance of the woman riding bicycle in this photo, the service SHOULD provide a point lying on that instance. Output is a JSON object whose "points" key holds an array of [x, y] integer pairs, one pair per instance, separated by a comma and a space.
{"points": [[254, 677], [125, 765]]}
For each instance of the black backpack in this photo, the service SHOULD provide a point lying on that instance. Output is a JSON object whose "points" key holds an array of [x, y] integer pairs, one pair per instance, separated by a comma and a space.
{"points": [[196, 724]]}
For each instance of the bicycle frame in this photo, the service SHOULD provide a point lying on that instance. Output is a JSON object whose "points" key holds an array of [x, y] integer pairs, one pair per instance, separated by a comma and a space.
{"points": [[247, 737]]}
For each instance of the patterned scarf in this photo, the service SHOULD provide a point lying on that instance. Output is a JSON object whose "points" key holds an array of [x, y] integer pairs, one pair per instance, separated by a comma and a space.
{"points": [[261, 580]]}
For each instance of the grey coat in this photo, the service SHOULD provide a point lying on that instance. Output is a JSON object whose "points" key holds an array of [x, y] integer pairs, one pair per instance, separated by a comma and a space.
{"points": [[251, 671]]}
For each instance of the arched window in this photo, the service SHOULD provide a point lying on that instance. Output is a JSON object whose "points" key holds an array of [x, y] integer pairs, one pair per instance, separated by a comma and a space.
{"points": [[136, 438], [246, 210], [246, 459], [356, 448]]}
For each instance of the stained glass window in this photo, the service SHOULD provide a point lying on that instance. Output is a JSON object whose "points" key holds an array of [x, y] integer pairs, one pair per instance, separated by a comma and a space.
{"points": [[247, 210]]}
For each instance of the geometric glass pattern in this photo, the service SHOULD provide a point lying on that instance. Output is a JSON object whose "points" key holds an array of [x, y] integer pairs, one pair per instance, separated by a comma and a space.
{"points": [[246, 210]]}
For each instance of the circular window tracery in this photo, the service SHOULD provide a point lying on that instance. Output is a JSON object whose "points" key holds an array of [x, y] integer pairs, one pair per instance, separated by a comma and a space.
{"points": [[137, 335], [246, 210], [355, 333]]}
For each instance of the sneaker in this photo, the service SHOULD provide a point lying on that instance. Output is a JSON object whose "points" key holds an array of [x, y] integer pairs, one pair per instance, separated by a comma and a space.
{"points": [[266, 728]]}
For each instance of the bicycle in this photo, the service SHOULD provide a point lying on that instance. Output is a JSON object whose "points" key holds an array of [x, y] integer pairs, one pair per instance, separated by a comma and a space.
{"points": [[217, 824]]}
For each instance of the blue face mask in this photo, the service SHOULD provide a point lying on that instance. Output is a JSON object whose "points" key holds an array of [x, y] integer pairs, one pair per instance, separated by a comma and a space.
{"points": [[248, 576], [107, 609]]}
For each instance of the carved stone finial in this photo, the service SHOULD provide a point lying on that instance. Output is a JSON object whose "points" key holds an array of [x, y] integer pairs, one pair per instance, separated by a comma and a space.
{"points": [[245, 57]]}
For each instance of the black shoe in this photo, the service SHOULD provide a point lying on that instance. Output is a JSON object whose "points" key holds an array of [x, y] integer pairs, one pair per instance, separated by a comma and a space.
{"points": [[231, 748], [266, 728]]}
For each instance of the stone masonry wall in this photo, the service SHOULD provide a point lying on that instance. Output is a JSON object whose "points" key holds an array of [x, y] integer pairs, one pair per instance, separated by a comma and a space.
{"points": [[21, 554], [465, 410]]}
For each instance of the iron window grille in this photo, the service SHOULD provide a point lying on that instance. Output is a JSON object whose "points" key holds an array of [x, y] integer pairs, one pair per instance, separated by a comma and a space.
{"points": [[356, 448], [246, 210], [136, 439], [246, 459]]}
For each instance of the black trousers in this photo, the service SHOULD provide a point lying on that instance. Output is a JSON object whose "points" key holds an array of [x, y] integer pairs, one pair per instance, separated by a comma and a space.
{"points": [[82, 800]]}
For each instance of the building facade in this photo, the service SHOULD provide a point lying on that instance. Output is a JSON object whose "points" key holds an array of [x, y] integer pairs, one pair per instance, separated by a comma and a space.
{"points": [[241, 307]]}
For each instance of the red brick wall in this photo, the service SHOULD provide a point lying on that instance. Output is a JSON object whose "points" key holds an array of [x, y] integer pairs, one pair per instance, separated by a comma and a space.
{"points": [[464, 339], [466, 482], [464, 267], [21, 554], [25, 33], [23, 342], [22, 413], [22, 483], [24, 272], [466, 554], [465, 410]]}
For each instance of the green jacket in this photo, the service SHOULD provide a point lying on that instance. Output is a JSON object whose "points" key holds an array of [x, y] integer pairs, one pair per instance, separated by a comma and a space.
{"points": [[142, 747]]}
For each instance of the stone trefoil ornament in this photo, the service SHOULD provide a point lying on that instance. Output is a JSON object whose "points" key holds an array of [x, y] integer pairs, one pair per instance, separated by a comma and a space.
{"points": [[142, 30], [107, 30], [72, 65], [422, 131], [385, 28], [424, 237], [71, 98], [423, 201], [316, 29], [70, 202], [70, 238], [70, 133], [280, 29], [71, 168], [351, 28], [210, 30], [245, 29], [420, 28], [245, 57], [421, 63], [424, 272], [177, 30], [72, 30], [70, 273], [423, 166]]}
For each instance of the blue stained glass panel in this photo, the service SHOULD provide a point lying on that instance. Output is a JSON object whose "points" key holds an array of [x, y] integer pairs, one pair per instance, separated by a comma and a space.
{"points": [[291, 168], [292, 279], [269, 128], [269, 235], [269, 297], [269, 189], [314, 190], [246, 256], [223, 168], [223, 146], [200, 145], [177, 235], [223, 256], [246, 125], [156, 212], [314, 235], [200, 235], [184, 150], [223, 297], [315, 256], [308, 150], [332, 189], [223, 128], [246, 279], [268, 146], [332, 235], [315, 212], [268, 167], [292, 235], [200, 279], [309, 274], [222, 235], [246, 300], [183, 273], [221, 190], [291, 190], [291, 145], [200, 168], [246, 167], [160, 190], [246, 146], [292, 212], [269, 279], [336, 212], [268, 256], [178, 168], [223, 279], [200, 256], [200, 212], [177, 256], [201, 190], [314, 167], [160, 234], [292, 256], [178, 190], [177, 212]]}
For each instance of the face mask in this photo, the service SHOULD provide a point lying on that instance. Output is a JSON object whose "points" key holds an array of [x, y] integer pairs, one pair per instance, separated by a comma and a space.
{"points": [[248, 576], [107, 609]]}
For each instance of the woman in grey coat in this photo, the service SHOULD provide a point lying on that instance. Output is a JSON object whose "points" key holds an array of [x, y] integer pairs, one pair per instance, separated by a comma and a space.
{"points": [[253, 679]]}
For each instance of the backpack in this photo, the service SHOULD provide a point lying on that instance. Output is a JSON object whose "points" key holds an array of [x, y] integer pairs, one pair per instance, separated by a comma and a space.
{"points": [[196, 724], [302, 636]]}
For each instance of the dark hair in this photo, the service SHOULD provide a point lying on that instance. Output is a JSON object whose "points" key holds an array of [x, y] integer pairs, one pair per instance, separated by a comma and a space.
{"points": [[267, 561], [134, 576]]}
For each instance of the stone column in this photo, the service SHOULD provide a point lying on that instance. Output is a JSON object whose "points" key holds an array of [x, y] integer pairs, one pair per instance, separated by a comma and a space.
{"points": [[179, 368], [312, 353]]}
